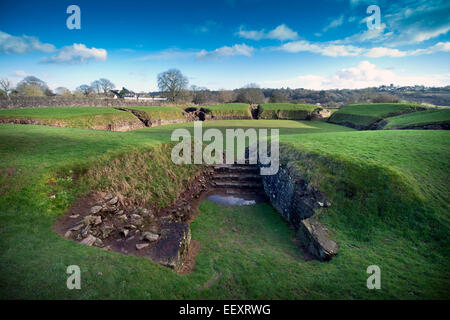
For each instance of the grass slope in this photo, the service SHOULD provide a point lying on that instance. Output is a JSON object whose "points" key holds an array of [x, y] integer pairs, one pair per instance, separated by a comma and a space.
{"points": [[390, 208], [362, 116], [230, 110], [161, 113], [417, 119], [286, 111], [73, 117]]}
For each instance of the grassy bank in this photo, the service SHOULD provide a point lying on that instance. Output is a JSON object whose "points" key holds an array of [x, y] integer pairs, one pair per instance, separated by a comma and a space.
{"points": [[72, 117], [229, 110], [288, 111], [362, 116], [417, 119], [161, 113]]}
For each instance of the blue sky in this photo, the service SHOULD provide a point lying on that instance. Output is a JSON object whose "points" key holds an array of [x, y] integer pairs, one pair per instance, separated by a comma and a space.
{"points": [[228, 44]]}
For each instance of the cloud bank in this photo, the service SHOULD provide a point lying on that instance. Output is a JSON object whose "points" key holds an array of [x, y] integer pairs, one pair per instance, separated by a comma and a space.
{"points": [[364, 75], [75, 54], [10, 44]]}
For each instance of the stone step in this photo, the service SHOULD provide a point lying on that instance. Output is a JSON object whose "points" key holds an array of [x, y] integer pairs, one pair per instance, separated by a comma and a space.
{"points": [[244, 192], [226, 176], [237, 184], [236, 168]]}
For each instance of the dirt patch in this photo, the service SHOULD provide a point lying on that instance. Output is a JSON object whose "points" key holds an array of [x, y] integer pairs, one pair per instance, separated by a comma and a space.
{"points": [[109, 222], [189, 261]]}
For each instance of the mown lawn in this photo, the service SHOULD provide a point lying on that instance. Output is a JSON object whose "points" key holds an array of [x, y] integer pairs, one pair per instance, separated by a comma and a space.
{"points": [[389, 191]]}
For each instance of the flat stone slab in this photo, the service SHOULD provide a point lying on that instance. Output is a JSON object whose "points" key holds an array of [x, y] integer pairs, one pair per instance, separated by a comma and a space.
{"points": [[172, 246], [314, 236]]}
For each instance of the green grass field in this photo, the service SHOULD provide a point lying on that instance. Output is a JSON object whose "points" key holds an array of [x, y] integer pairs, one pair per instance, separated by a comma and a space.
{"points": [[74, 117], [236, 110], [420, 118], [362, 116], [389, 193], [286, 111]]}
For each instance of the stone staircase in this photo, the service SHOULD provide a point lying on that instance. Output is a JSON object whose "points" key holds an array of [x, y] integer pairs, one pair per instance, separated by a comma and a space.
{"points": [[237, 177]]}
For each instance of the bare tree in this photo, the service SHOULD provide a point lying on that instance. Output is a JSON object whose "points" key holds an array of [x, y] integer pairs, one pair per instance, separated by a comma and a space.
{"points": [[172, 83], [96, 86], [225, 96], [84, 89], [251, 95], [106, 85], [200, 95], [5, 84]]}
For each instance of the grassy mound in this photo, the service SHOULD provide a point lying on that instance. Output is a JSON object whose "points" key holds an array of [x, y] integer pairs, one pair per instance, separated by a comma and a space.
{"points": [[161, 113], [363, 116], [288, 111], [389, 196], [72, 117], [229, 111], [419, 119]]}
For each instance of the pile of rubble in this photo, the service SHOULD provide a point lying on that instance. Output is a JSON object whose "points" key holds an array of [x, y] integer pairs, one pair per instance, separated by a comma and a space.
{"points": [[109, 219]]}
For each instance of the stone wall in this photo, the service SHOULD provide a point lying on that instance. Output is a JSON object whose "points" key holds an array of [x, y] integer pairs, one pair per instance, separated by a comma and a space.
{"points": [[297, 202]]}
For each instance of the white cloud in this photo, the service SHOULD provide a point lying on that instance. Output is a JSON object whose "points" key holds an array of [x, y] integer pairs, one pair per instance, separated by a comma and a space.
{"points": [[332, 49], [364, 75], [384, 52], [438, 47], [334, 23], [168, 54], [325, 49], [282, 33], [24, 44], [236, 50], [77, 53], [20, 73]]}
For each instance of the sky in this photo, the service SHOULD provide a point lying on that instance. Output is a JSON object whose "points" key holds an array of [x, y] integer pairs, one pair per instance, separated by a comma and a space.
{"points": [[320, 44]]}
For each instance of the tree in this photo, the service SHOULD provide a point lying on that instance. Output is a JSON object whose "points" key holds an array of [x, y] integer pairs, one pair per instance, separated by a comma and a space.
{"points": [[200, 95], [31, 81], [32, 91], [106, 85], [172, 83], [5, 86], [61, 91], [224, 96], [96, 87], [277, 97], [84, 89], [251, 95], [48, 92]]}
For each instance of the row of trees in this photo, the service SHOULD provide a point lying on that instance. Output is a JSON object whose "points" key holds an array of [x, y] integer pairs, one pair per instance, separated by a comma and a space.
{"points": [[35, 87], [175, 87]]}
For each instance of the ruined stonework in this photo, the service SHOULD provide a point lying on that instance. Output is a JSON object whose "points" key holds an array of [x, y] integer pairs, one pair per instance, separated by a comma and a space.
{"points": [[172, 247], [297, 202]]}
